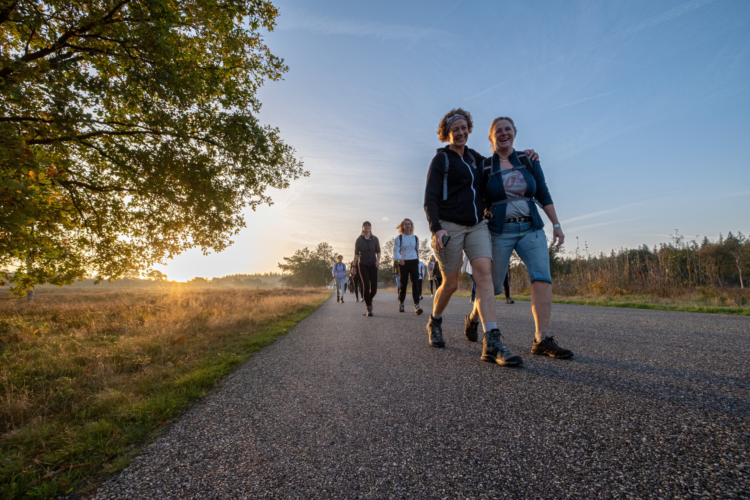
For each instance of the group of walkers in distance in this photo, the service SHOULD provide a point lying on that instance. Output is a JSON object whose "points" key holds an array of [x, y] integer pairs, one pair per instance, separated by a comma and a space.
{"points": [[479, 209]]}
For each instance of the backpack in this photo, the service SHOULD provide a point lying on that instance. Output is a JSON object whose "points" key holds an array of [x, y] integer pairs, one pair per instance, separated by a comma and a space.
{"points": [[526, 161], [448, 166], [529, 165]]}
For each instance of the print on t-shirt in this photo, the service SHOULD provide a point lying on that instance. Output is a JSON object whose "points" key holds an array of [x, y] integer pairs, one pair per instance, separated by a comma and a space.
{"points": [[515, 187]]}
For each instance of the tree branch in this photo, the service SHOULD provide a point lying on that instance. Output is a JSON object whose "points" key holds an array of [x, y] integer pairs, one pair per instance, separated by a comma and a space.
{"points": [[7, 11], [62, 40], [99, 189], [69, 138]]}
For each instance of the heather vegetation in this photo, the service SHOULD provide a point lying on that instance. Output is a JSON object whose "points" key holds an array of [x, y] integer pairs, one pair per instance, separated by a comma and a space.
{"points": [[681, 272], [87, 374]]}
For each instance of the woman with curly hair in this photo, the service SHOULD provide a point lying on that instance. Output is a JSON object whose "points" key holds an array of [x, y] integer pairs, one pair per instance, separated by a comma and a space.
{"points": [[454, 206]]}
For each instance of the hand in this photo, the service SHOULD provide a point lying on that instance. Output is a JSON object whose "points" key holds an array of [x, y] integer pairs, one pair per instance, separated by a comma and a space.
{"points": [[531, 154], [557, 236], [377, 263], [437, 239], [401, 261]]}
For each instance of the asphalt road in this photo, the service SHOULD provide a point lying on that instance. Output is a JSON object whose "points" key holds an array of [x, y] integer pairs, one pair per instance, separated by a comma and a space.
{"points": [[654, 404]]}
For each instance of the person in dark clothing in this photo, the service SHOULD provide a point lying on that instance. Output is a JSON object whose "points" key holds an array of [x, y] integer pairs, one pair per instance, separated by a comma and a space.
{"points": [[406, 254], [356, 284], [367, 260], [506, 288]]}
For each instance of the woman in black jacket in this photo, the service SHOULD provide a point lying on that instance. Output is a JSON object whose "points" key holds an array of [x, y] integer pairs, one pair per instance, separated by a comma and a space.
{"points": [[367, 260]]}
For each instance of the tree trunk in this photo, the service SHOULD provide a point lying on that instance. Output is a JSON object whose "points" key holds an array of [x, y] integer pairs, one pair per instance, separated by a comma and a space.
{"points": [[30, 295]]}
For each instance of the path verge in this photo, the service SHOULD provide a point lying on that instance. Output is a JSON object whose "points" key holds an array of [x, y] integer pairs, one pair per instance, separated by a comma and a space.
{"points": [[89, 378]]}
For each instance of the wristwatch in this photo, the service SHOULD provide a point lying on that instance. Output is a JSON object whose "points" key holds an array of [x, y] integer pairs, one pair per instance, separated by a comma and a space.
{"points": [[555, 225]]}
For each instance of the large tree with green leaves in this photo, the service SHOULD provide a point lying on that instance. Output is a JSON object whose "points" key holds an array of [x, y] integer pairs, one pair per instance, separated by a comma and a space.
{"points": [[309, 267], [128, 132]]}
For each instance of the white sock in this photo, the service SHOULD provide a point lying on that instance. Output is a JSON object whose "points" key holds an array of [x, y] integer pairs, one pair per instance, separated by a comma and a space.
{"points": [[488, 327], [437, 316]]}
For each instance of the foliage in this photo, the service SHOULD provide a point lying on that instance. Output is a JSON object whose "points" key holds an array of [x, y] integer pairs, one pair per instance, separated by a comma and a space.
{"points": [[309, 267], [128, 132], [669, 269], [88, 374]]}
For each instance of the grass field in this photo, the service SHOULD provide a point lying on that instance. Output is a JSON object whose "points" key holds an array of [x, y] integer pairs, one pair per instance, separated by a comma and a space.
{"points": [[86, 378], [685, 304]]}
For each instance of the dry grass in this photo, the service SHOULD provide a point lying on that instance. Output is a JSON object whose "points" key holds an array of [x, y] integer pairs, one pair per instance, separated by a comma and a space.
{"points": [[84, 375]]}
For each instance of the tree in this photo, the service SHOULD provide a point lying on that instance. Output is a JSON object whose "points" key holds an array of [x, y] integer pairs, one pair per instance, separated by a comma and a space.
{"points": [[128, 132], [309, 267], [156, 275]]}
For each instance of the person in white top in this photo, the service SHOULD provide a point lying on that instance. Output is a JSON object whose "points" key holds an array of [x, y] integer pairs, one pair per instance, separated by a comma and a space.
{"points": [[406, 253], [431, 273], [466, 269]]}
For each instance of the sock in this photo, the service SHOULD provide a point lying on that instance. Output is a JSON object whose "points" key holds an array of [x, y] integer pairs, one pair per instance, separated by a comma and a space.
{"points": [[488, 327], [438, 317], [474, 316]]}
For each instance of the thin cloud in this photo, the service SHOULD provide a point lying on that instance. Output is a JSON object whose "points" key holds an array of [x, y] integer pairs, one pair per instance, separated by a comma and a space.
{"points": [[585, 99], [671, 14], [344, 27], [603, 212]]}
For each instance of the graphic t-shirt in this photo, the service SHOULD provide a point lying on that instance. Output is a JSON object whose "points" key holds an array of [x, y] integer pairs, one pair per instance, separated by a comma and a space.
{"points": [[515, 187]]}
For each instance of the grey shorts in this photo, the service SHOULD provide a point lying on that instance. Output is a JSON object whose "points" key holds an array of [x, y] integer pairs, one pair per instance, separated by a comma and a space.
{"points": [[474, 240]]}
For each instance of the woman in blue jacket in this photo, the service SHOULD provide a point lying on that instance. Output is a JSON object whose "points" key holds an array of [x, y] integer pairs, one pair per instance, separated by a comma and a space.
{"points": [[513, 186]]}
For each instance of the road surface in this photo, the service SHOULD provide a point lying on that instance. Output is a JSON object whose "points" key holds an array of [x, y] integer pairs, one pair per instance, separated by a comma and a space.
{"points": [[655, 404]]}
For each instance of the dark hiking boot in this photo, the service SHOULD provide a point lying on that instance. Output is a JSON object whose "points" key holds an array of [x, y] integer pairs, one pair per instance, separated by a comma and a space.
{"points": [[470, 329], [549, 347], [417, 310], [342, 300], [509, 301], [401, 307], [494, 351], [435, 332]]}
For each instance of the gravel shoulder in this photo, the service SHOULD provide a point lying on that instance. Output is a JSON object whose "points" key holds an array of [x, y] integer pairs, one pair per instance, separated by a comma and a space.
{"points": [[655, 404]]}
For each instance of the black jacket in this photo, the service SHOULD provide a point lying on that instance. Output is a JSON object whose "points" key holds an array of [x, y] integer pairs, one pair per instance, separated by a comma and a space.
{"points": [[464, 205]]}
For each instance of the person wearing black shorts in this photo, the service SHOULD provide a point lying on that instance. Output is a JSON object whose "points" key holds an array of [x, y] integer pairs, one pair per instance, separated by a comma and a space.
{"points": [[367, 261]]}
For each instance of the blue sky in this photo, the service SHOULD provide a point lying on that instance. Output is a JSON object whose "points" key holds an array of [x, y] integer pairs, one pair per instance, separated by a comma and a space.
{"points": [[640, 111]]}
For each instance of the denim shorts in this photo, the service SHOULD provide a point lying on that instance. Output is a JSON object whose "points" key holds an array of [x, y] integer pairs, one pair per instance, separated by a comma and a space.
{"points": [[529, 244]]}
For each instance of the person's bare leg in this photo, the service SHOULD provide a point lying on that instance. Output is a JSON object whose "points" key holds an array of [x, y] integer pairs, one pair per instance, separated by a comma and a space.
{"points": [[541, 307], [482, 270], [444, 293]]}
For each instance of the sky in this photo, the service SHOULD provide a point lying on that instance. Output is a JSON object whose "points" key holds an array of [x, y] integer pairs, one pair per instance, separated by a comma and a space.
{"points": [[639, 110]]}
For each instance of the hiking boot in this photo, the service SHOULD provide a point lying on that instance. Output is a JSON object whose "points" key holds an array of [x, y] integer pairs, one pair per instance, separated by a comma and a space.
{"points": [[509, 301], [549, 347], [342, 300], [494, 351], [401, 307], [435, 331], [417, 310], [470, 329]]}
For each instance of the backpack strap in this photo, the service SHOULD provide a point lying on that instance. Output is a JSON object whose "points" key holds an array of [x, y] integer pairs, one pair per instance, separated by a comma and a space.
{"points": [[445, 177], [526, 161]]}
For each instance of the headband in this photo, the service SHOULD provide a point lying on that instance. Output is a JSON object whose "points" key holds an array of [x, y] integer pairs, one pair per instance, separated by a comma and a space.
{"points": [[454, 118]]}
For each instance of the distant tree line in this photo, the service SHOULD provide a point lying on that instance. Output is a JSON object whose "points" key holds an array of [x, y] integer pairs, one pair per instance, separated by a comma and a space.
{"points": [[661, 270]]}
